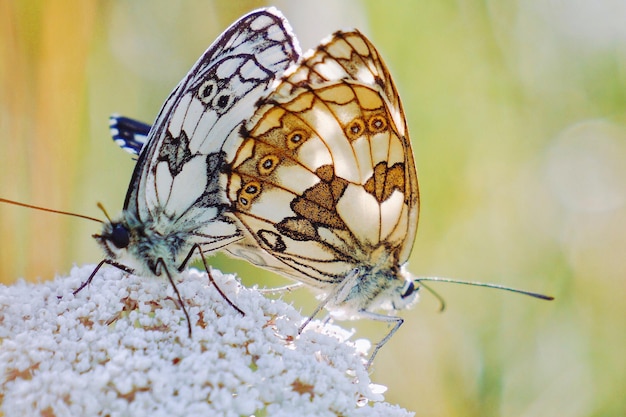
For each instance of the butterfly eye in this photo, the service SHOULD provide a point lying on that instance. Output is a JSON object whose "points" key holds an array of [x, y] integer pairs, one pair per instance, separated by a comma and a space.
{"points": [[296, 138], [268, 164], [377, 124], [119, 236], [409, 289], [355, 129]]}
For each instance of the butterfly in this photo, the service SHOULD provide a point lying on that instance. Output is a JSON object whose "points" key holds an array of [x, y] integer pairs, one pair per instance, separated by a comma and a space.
{"points": [[323, 182], [173, 209]]}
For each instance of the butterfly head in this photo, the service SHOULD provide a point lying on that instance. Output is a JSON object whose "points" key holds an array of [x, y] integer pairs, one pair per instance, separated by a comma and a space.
{"points": [[115, 234], [408, 295], [115, 239], [120, 238], [403, 295]]}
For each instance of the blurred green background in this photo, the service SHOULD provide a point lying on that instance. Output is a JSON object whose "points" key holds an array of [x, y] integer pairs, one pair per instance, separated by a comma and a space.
{"points": [[517, 115]]}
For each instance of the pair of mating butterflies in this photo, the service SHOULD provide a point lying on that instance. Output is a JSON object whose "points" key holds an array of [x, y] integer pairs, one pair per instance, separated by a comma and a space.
{"points": [[301, 164]]}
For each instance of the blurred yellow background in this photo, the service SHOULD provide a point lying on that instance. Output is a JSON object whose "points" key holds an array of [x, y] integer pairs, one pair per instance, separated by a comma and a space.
{"points": [[517, 115]]}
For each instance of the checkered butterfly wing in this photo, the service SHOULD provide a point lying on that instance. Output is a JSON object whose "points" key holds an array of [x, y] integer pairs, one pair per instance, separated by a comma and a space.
{"points": [[175, 184], [324, 179], [175, 201]]}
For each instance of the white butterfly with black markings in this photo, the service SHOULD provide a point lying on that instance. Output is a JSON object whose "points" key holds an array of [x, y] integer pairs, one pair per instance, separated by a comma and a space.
{"points": [[174, 207], [323, 181]]}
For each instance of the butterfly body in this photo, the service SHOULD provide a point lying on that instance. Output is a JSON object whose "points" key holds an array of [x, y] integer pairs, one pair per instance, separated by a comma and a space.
{"points": [[368, 289], [143, 245]]}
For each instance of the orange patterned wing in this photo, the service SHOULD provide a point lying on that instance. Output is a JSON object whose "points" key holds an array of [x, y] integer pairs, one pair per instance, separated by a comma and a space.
{"points": [[324, 178]]}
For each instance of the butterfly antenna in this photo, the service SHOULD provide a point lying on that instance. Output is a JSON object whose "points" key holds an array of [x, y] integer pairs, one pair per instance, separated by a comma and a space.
{"points": [[442, 301], [487, 285], [106, 214], [67, 213]]}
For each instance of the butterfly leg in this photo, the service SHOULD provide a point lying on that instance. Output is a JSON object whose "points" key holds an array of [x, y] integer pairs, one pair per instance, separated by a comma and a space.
{"points": [[336, 296], [287, 288], [97, 268], [208, 271], [395, 320], [180, 299], [328, 319], [315, 313]]}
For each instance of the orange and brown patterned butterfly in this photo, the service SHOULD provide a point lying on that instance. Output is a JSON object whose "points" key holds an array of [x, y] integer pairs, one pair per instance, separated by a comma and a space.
{"points": [[324, 182]]}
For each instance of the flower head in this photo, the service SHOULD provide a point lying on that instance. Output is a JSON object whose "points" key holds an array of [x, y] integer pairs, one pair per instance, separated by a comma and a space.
{"points": [[120, 347]]}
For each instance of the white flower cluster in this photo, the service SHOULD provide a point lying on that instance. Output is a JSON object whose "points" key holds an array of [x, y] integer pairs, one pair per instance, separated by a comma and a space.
{"points": [[120, 348]]}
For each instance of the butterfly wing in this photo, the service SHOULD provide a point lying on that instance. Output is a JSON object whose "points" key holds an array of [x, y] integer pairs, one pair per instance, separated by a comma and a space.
{"points": [[324, 179], [129, 134], [175, 184]]}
